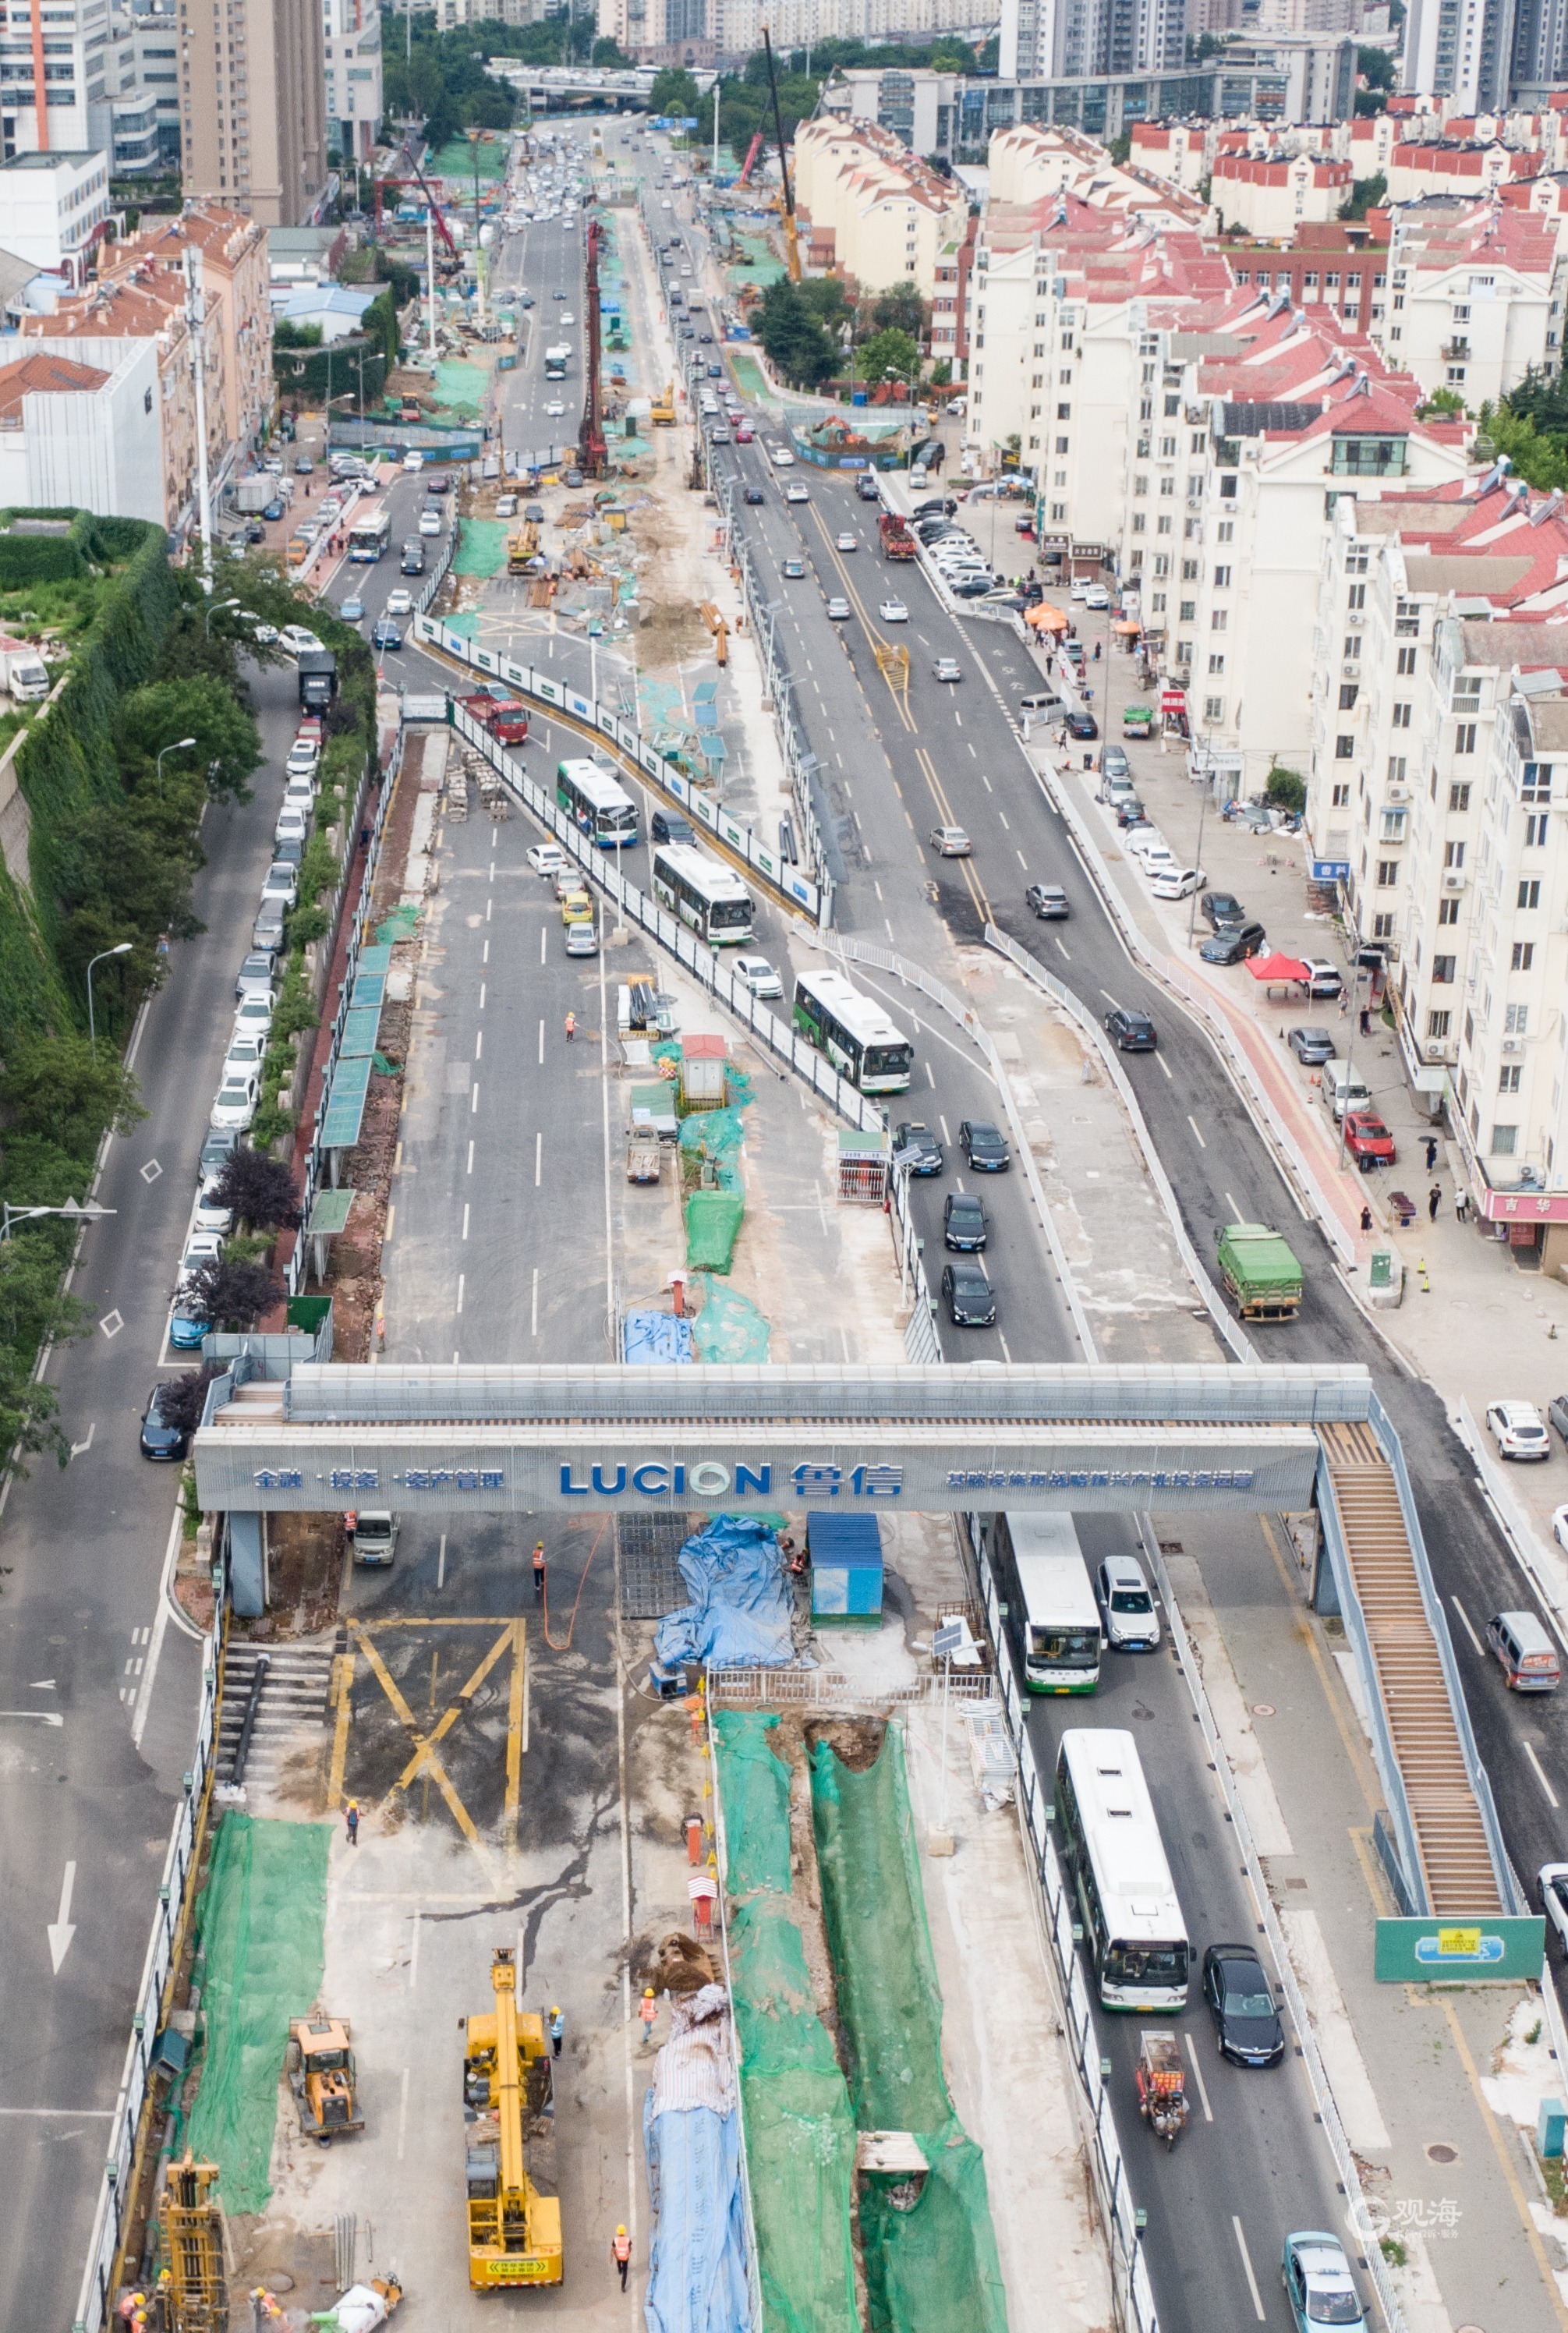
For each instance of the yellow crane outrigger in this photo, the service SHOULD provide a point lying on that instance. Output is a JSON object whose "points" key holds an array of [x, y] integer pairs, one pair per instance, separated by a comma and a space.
{"points": [[508, 2106]]}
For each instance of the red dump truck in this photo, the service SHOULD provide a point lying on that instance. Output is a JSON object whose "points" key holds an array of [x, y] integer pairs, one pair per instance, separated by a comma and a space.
{"points": [[898, 542]]}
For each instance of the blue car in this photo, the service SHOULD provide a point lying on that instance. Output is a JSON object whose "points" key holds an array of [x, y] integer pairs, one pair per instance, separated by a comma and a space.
{"points": [[353, 608], [1318, 2283], [273, 511], [186, 1328], [386, 635]]}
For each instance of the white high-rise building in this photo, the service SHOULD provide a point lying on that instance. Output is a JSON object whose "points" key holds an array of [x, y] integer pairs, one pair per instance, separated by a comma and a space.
{"points": [[1052, 40], [352, 42]]}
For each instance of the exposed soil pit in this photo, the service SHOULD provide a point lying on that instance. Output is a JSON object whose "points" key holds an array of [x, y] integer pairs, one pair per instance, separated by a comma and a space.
{"points": [[304, 1563]]}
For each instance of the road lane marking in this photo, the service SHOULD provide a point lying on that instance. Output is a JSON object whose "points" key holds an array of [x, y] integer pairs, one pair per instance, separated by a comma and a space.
{"points": [[533, 1323], [1193, 1123], [482, 986], [1111, 1000], [61, 1929], [538, 1159], [1165, 1065], [484, 959], [460, 1283], [543, 936], [1197, 2078], [942, 1122], [391, 1218], [479, 1045], [1247, 2263], [1466, 1619], [473, 1100], [470, 1158], [985, 781], [440, 1582], [1003, 816], [541, 1035], [1552, 1798], [465, 1219]]}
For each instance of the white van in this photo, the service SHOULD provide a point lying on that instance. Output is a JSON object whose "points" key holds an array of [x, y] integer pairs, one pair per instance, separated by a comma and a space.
{"points": [[1345, 1087]]}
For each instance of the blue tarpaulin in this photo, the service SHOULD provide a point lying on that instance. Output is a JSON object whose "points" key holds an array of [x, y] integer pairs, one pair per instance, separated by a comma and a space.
{"points": [[647, 1339], [740, 1613]]}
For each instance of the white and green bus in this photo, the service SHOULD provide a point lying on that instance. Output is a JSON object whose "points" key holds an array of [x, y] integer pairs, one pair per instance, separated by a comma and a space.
{"points": [[703, 893], [1114, 1857], [1053, 1617], [854, 1033], [594, 800]]}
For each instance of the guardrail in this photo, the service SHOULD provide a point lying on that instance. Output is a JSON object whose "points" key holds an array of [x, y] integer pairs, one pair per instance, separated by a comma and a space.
{"points": [[916, 977], [116, 2191], [671, 934], [627, 741]]}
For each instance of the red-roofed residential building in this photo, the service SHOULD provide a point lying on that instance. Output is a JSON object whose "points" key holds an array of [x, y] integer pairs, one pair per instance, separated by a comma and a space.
{"points": [[1420, 168], [1476, 298], [232, 252], [1271, 196], [1439, 774]]}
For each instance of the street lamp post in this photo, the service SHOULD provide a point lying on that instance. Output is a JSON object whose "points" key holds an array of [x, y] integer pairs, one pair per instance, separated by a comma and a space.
{"points": [[1198, 855], [219, 606], [123, 949], [91, 1213], [179, 746]]}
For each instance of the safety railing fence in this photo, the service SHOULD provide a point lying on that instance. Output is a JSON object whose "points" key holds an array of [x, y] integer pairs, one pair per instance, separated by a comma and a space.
{"points": [[922, 1346], [794, 889], [721, 1857], [1384, 1756], [314, 1161], [1509, 1892], [116, 2192], [1133, 2292], [794, 1688], [914, 975], [437, 575], [1328, 2112], [1090, 1030], [671, 934]]}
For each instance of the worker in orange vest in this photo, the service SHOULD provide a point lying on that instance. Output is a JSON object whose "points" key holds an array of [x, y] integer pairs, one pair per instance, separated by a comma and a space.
{"points": [[648, 2010], [620, 2252]]}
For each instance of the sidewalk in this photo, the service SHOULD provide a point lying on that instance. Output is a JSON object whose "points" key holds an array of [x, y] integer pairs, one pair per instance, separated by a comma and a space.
{"points": [[1512, 1316]]}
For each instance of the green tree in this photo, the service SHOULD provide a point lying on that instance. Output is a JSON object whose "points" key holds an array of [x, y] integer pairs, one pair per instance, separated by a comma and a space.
{"points": [[899, 309], [1365, 194], [674, 91], [1443, 405], [60, 1087], [606, 55], [1375, 67], [796, 343], [228, 746], [889, 352]]}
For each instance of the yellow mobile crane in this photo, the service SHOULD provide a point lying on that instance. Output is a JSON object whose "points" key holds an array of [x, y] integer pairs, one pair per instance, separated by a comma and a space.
{"points": [[508, 2108], [786, 200]]}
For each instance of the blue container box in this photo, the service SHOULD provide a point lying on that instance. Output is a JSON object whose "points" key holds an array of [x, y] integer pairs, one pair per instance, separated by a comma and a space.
{"points": [[846, 1553]]}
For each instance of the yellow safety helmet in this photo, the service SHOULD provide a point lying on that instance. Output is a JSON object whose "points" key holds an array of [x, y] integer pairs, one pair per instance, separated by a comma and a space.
{"points": [[647, 1992], [621, 2229]]}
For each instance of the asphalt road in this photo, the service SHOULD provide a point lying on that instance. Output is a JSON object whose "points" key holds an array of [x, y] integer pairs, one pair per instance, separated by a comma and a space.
{"points": [[91, 1760]]}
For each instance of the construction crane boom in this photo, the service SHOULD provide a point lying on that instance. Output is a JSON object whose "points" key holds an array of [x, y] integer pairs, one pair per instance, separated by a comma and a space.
{"points": [[749, 165], [787, 212], [513, 2210]]}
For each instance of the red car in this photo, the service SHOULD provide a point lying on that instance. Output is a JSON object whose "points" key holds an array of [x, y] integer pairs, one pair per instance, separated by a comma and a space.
{"points": [[1368, 1139]]}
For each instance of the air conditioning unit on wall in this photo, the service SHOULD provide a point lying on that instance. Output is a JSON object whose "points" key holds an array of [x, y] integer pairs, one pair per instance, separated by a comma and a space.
{"points": [[1453, 879]]}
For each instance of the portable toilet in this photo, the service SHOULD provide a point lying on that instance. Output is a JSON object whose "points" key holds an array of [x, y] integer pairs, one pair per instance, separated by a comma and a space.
{"points": [[846, 1555]]}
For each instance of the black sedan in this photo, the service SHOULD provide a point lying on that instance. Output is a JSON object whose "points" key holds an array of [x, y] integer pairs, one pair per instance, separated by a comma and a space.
{"points": [[917, 1149], [964, 1224], [1234, 943], [669, 826], [754, 494], [1218, 907], [1246, 2021], [1130, 811], [1083, 724], [984, 1146], [1049, 902], [159, 1440], [1313, 1046], [1133, 1032], [385, 634], [969, 1297]]}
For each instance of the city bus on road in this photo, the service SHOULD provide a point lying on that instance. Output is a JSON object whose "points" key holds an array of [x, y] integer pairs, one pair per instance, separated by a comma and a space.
{"points": [[857, 1036], [1052, 1613], [591, 797], [703, 893], [370, 533], [1114, 1861]]}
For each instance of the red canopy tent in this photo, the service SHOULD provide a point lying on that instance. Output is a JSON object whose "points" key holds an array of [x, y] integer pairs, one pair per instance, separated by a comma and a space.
{"points": [[1276, 967]]}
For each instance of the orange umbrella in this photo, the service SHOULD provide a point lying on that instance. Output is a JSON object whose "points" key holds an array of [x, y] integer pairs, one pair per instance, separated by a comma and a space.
{"points": [[1047, 619]]}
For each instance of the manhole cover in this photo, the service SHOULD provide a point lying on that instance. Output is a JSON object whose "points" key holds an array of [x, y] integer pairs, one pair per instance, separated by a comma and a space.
{"points": [[1441, 2152], [1263, 1709]]}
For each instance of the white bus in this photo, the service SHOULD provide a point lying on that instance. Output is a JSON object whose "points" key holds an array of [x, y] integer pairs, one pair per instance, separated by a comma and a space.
{"points": [[1115, 1863], [854, 1033], [1052, 1615], [703, 893], [369, 532], [590, 796]]}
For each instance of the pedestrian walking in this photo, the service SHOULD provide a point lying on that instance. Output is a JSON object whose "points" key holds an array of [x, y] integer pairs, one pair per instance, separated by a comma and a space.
{"points": [[1431, 1153], [1366, 1216], [646, 2010], [1345, 1002], [1366, 1021], [351, 1818], [621, 2254], [1434, 1201], [1096, 651], [1462, 1206], [557, 2031], [539, 1571], [570, 1026]]}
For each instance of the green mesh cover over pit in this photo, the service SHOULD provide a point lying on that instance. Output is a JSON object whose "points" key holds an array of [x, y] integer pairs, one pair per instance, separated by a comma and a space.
{"points": [[728, 1326]]}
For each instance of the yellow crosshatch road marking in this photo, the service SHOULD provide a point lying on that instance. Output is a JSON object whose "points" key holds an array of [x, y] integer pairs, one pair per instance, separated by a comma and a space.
{"points": [[512, 1638]]}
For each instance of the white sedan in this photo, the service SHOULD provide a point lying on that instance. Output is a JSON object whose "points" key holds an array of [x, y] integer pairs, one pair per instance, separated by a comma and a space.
{"points": [[237, 1097], [1178, 882], [893, 611], [758, 976], [430, 521], [546, 858], [399, 603], [555, 408], [566, 317], [1559, 1528], [1517, 1429], [1554, 1879]]}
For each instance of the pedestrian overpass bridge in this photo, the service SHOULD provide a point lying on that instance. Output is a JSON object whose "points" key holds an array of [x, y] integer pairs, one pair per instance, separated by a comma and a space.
{"points": [[284, 1437]]}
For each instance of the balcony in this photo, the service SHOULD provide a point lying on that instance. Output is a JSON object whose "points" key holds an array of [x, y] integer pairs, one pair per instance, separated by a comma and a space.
{"points": [[1454, 352]]}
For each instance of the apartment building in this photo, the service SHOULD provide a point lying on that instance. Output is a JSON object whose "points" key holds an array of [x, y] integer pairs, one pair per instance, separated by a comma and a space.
{"points": [[1271, 196], [875, 214], [235, 271], [352, 50], [1477, 298], [1061, 38], [1180, 151], [54, 208], [85, 437], [253, 94], [1341, 269], [97, 327], [1029, 163], [53, 87], [1436, 799]]}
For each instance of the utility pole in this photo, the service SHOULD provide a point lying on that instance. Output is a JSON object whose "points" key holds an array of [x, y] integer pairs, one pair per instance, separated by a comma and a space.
{"points": [[196, 326], [431, 270]]}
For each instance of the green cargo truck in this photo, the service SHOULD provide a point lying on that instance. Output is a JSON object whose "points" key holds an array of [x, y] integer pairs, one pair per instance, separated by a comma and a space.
{"points": [[1262, 1277]]}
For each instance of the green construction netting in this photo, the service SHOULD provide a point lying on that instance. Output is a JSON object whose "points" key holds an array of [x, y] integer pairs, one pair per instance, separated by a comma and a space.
{"points": [[715, 1137], [713, 1221], [799, 2134], [481, 547], [460, 387], [400, 925], [457, 158], [934, 2266], [729, 1326], [260, 1919]]}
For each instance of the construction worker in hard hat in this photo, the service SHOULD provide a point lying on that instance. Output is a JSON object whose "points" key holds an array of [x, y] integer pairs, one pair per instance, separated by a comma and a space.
{"points": [[646, 2010], [620, 2252], [557, 2030]]}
